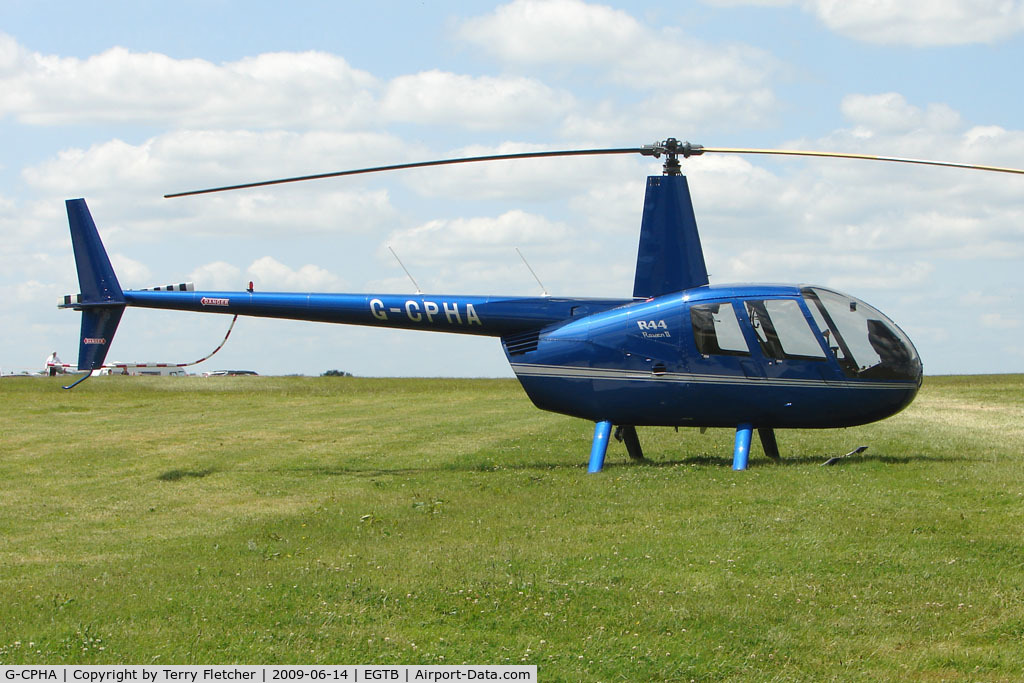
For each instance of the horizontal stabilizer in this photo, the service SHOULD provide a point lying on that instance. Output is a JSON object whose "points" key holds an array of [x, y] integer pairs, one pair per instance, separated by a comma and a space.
{"points": [[180, 287]]}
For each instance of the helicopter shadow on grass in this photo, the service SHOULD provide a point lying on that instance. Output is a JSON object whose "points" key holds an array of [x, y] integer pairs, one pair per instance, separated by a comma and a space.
{"points": [[795, 461], [490, 464], [700, 461], [178, 474]]}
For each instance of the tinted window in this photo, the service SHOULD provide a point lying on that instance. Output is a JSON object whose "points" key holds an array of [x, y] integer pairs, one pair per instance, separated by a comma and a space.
{"points": [[865, 341], [782, 330], [716, 330]]}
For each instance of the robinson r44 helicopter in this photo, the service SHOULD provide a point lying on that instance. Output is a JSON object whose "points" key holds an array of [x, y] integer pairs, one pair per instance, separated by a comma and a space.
{"points": [[679, 352]]}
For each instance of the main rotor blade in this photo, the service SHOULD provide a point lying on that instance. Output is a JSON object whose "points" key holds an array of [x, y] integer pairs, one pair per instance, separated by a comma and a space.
{"points": [[419, 164], [671, 148], [869, 157]]}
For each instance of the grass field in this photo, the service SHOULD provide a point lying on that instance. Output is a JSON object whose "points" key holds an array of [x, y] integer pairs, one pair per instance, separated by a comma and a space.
{"points": [[358, 521]]}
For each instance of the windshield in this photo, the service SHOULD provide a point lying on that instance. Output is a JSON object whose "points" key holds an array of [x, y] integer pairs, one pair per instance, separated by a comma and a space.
{"points": [[866, 343]]}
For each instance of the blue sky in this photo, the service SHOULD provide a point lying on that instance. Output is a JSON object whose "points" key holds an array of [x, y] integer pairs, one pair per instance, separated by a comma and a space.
{"points": [[121, 102]]}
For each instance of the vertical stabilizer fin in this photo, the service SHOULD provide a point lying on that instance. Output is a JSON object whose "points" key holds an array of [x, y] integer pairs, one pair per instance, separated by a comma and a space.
{"points": [[95, 274], [670, 258], [101, 300]]}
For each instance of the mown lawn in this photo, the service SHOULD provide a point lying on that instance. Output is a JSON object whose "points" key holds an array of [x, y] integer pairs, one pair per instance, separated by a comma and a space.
{"points": [[358, 521]]}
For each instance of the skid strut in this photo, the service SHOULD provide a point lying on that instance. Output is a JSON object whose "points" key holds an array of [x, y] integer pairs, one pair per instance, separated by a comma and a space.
{"points": [[741, 452], [627, 434], [602, 430], [768, 442]]}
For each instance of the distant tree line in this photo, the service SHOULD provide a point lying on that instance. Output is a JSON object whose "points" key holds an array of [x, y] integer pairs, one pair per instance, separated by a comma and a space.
{"points": [[336, 373]]}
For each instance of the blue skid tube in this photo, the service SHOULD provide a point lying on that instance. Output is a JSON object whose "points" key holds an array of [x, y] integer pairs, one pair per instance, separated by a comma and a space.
{"points": [[602, 430], [741, 452]]}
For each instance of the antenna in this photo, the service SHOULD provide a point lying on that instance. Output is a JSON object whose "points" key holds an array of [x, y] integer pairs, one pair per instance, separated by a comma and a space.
{"points": [[543, 289], [413, 280]]}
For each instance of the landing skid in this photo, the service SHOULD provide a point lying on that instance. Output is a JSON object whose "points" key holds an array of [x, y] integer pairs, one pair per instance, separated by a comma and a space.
{"points": [[627, 434]]}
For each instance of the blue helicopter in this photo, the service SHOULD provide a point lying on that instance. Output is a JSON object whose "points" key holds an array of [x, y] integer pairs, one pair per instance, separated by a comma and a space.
{"points": [[679, 352]]}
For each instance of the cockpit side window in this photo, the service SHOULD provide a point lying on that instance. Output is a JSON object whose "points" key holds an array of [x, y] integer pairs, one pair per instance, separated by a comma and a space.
{"points": [[716, 330], [782, 330]]}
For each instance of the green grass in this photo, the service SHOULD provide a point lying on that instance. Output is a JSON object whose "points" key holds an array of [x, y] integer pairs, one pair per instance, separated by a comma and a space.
{"points": [[340, 520]]}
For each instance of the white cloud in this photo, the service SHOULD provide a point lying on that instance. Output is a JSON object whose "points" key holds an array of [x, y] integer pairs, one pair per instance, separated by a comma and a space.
{"points": [[478, 254], [118, 85], [179, 160], [685, 109], [128, 182], [131, 274], [485, 102], [891, 113], [888, 125], [269, 274], [904, 22], [938, 22], [577, 34], [32, 292], [267, 213], [444, 241], [845, 271], [553, 31], [218, 275]]}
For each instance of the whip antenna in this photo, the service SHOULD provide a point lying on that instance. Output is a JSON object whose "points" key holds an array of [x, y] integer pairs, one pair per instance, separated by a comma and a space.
{"points": [[543, 289], [408, 274]]}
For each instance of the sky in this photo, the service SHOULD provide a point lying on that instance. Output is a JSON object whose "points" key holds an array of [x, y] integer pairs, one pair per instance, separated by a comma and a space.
{"points": [[121, 102]]}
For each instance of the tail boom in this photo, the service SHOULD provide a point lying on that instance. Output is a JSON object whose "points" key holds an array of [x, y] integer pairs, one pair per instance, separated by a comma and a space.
{"points": [[490, 316]]}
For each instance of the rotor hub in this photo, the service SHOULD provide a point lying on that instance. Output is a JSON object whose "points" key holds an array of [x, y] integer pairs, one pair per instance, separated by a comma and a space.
{"points": [[672, 148]]}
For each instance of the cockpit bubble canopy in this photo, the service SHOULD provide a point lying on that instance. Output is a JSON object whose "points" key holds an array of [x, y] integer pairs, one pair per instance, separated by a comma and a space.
{"points": [[864, 340]]}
